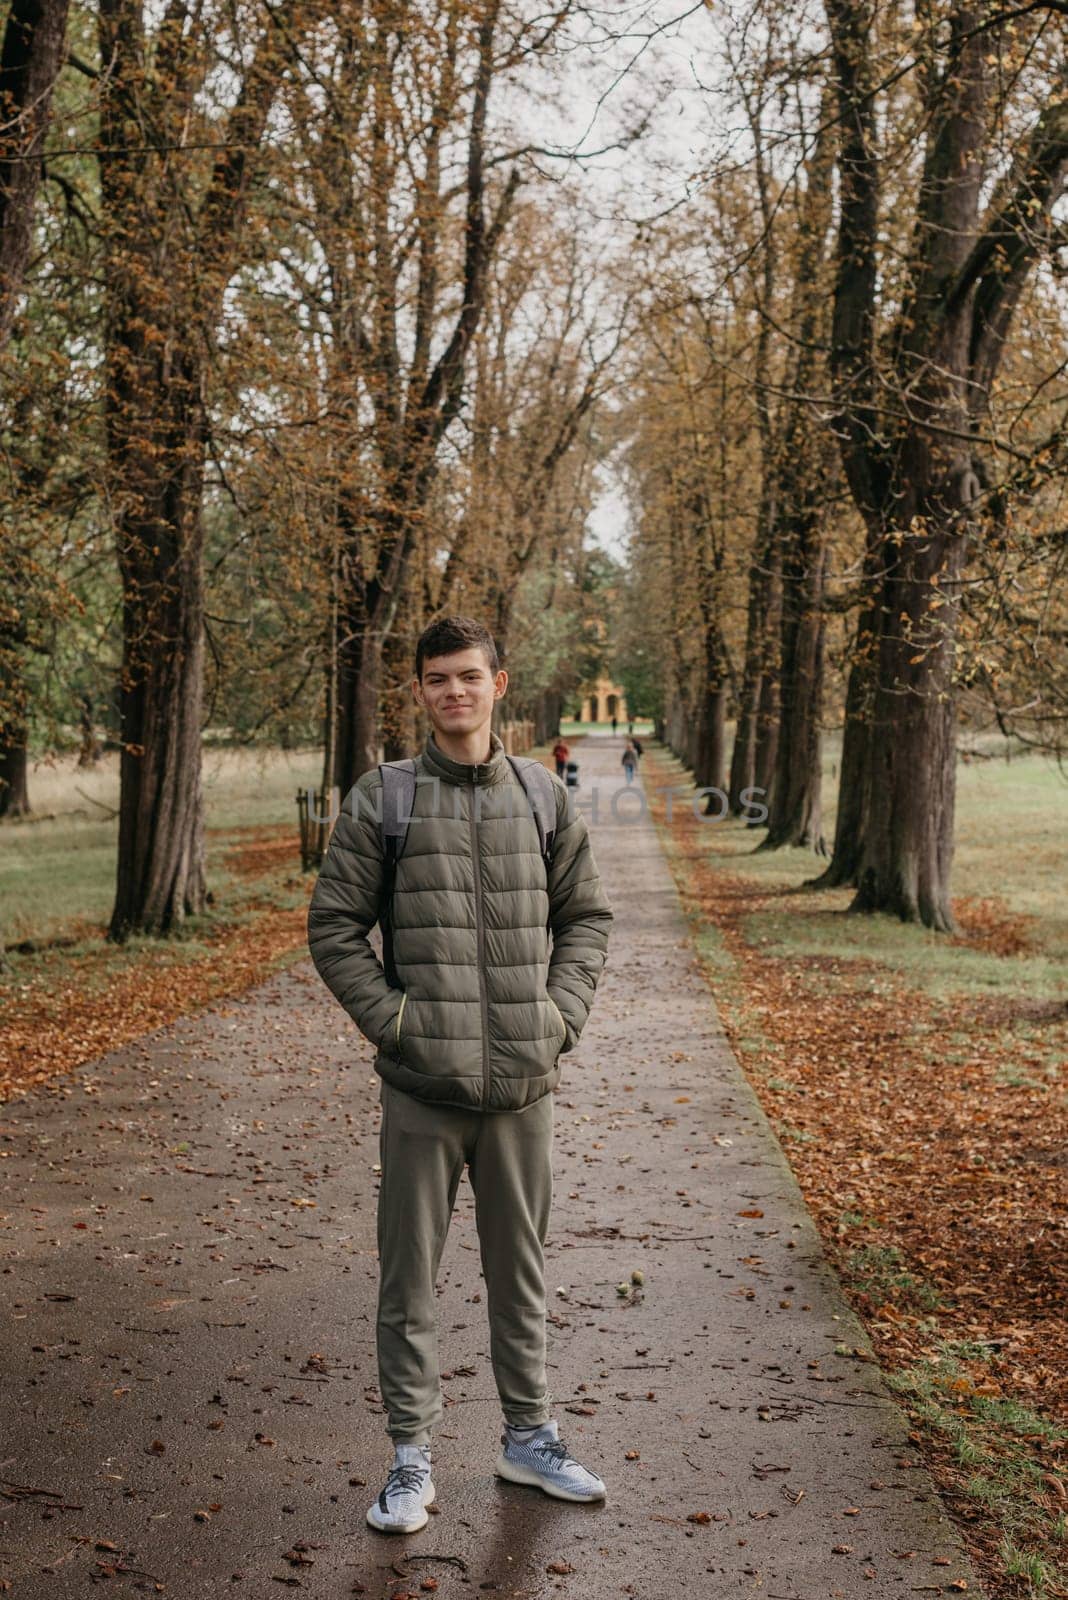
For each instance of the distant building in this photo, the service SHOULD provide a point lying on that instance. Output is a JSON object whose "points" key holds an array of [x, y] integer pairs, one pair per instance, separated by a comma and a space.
{"points": [[605, 701]]}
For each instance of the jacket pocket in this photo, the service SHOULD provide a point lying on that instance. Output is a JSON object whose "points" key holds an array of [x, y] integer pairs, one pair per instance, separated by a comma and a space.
{"points": [[397, 1023], [560, 1014]]}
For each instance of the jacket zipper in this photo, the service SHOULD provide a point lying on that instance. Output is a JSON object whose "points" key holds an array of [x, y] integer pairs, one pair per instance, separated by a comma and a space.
{"points": [[396, 1025], [480, 938]]}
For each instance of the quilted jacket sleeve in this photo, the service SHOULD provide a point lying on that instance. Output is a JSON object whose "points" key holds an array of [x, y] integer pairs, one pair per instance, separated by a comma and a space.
{"points": [[344, 908], [579, 916]]}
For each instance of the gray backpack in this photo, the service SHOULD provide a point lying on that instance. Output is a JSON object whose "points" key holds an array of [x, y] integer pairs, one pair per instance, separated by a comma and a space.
{"points": [[398, 799]]}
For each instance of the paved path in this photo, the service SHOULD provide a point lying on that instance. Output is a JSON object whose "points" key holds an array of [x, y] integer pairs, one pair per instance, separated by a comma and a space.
{"points": [[187, 1293]]}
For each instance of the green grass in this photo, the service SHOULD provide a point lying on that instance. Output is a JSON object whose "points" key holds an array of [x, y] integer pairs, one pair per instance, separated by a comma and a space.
{"points": [[791, 1134], [51, 871], [57, 868], [992, 1440], [1012, 845], [926, 960], [878, 1270]]}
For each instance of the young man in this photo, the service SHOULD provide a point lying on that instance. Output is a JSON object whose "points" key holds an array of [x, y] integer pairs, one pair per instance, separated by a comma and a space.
{"points": [[468, 1050]]}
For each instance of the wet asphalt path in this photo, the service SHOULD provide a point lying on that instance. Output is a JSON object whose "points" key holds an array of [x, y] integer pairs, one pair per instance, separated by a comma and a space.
{"points": [[187, 1285]]}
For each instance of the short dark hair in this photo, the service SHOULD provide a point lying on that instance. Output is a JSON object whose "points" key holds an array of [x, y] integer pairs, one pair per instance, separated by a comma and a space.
{"points": [[449, 634]]}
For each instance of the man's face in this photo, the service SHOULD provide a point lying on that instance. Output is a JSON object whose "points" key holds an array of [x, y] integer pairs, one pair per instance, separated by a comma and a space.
{"points": [[459, 690]]}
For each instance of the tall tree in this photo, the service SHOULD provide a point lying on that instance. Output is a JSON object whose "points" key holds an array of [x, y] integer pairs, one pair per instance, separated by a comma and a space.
{"points": [[30, 58], [802, 459], [914, 417], [173, 228]]}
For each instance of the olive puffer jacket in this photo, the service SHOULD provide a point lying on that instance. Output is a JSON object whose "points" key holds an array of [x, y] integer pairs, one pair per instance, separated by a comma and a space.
{"points": [[483, 1013]]}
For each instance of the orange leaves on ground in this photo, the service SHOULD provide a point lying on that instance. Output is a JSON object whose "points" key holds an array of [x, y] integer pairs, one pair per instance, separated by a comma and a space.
{"points": [[928, 1148], [73, 1010]]}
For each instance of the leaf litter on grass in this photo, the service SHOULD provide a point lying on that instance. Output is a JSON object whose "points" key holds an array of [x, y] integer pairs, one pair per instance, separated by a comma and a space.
{"points": [[62, 1009]]}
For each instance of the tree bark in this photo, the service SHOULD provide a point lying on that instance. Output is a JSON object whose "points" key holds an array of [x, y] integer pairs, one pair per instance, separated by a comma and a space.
{"points": [[768, 707], [359, 684], [30, 59], [14, 787], [744, 753], [844, 865], [710, 747], [795, 815], [397, 711], [160, 877], [89, 752]]}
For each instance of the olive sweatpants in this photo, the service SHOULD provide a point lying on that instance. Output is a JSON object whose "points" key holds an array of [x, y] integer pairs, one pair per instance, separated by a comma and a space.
{"points": [[423, 1149]]}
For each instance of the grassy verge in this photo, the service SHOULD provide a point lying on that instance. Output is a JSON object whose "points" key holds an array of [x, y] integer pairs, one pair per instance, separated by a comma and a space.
{"points": [[915, 1083]]}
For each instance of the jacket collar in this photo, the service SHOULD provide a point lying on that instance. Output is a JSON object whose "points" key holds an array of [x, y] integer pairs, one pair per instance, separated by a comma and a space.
{"points": [[442, 766]]}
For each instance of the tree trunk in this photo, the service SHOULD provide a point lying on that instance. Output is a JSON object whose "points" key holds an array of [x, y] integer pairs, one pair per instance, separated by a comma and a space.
{"points": [[676, 722], [801, 472], [795, 813], [155, 433], [358, 689], [30, 59], [767, 716], [687, 733], [743, 756], [849, 823], [89, 753], [14, 787], [548, 712], [910, 792], [710, 751], [160, 877], [397, 713]]}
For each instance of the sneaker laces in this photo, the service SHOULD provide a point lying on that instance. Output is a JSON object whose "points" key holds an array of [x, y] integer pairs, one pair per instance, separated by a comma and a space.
{"points": [[402, 1478], [555, 1449]]}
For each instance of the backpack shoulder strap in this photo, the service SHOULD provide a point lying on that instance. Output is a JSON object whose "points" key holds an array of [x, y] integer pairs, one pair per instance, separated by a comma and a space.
{"points": [[539, 789], [398, 799]]}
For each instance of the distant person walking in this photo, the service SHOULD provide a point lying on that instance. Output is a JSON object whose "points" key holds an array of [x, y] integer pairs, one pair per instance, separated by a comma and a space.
{"points": [[630, 761], [638, 751], [561, 751], [613, 723]]}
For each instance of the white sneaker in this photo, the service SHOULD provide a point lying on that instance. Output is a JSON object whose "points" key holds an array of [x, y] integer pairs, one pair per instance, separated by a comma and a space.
{"points": [[538, 1456], [401, 1507]]}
